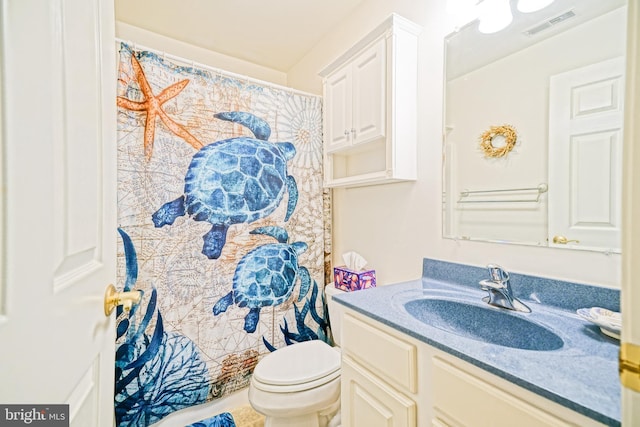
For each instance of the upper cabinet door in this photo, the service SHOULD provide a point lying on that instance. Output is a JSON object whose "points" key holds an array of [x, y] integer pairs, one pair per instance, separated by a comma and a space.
{"points": [[355, 101], [369, 100], [337, 95]]}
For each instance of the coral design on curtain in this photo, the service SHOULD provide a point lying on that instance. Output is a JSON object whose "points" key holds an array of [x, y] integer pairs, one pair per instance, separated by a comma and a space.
{"points": [[220, 206]]}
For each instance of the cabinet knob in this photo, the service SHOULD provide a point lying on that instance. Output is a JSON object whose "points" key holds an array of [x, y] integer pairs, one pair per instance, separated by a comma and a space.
{"points": [[346, 133]]}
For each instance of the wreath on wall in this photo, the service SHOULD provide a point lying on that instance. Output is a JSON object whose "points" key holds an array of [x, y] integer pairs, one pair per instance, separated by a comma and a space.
{"points": [[507, 132]]}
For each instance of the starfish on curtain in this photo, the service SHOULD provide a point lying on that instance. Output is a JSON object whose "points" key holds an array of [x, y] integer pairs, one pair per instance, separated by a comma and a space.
{"points": [[152, 104]]}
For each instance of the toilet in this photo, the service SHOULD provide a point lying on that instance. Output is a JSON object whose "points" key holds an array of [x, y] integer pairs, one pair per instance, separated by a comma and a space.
{"points": [[299, 385]]}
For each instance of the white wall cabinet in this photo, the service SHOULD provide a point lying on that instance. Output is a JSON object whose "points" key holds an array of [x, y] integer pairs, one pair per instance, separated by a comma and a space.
{"points": [[370, 108], [385, 374]]}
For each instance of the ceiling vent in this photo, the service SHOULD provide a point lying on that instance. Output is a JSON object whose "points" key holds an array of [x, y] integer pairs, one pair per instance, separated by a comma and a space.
{"points": [[549, 23]]}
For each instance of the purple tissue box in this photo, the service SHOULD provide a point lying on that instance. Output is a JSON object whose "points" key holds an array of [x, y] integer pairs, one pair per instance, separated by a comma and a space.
{"points": [[349, 280]]}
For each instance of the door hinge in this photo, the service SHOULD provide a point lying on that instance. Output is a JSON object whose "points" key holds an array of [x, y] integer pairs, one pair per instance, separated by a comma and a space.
{"points": [[629, 366]]}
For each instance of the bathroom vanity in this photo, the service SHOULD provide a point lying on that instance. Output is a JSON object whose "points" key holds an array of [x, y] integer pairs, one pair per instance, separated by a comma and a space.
{"points": [[398, 370]]}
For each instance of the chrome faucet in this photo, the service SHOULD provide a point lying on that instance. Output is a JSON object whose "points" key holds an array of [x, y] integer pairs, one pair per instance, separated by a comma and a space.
{"points": [[499, 288]]}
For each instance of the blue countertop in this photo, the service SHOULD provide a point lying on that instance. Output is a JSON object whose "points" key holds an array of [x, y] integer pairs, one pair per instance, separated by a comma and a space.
{"points": [[581, 375]]}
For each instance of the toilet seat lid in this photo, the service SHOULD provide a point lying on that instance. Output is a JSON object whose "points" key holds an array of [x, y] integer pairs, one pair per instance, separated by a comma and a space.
{"points": [[298, 364]]}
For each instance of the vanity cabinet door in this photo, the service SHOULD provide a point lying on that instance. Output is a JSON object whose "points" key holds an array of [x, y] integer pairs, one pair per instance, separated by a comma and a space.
{"points": [[368, 401], [391, 358], [464, 400]]}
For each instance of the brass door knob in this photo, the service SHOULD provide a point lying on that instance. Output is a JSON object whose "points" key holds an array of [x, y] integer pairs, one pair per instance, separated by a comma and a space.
{"points": [[563, 240], [127, 300]]}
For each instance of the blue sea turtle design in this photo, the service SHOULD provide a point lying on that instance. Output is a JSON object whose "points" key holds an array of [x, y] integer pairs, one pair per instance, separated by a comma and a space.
{"points": [[233, 181], [266, 276]]}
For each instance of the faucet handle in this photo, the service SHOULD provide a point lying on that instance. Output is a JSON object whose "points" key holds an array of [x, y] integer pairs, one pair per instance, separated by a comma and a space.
{"points": [[497, 273], [488, 285]]}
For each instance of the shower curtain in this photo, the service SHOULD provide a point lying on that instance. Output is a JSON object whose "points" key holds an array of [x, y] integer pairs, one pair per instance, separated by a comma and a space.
{"points": [[221, 208]]}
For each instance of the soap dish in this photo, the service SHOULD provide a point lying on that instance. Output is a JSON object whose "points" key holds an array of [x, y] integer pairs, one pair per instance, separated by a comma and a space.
{"points": [[609, 322]]}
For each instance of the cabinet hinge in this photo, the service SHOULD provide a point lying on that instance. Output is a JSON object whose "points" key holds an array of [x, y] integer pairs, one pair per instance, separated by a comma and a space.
{"points": [[629, 366]]}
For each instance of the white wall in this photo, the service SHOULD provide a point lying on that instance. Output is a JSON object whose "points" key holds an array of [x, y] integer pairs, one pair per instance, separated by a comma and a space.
{"points": [[148, 39], [403, 222]]}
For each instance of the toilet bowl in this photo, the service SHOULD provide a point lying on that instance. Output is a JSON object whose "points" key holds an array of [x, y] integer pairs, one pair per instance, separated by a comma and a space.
{"points": [[299, 385]]}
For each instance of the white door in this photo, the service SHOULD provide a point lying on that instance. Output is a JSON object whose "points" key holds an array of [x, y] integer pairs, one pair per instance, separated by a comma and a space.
{"points": [[631, 213], [59, 207], [586, 108]]}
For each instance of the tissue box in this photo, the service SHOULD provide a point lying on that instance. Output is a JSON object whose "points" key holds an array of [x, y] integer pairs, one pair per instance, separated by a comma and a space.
{"points": [[349, 280]]}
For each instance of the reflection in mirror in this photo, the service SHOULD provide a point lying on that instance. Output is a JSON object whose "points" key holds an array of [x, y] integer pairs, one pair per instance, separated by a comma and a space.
{"points": [[554, 77]]}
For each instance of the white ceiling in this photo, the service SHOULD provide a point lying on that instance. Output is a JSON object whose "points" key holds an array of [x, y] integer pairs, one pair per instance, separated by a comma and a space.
{"points": [[272, 33], [468, 49]]}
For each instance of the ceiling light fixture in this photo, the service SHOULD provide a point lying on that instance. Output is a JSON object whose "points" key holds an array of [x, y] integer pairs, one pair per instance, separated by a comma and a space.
{"points": [[494, 15], [527, 6]]}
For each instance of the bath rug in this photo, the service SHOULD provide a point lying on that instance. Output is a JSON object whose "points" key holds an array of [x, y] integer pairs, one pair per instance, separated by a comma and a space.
{"points": [[246, 416], [243, 416], [221, 420]]}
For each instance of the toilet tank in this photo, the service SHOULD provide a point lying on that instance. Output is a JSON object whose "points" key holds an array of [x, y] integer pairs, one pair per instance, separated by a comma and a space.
{"points": [[335, 312]]}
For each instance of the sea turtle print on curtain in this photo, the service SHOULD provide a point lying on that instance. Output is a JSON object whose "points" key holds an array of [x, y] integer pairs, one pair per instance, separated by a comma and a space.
{"points": [[236, 180], [266, 276], [179, 127]]}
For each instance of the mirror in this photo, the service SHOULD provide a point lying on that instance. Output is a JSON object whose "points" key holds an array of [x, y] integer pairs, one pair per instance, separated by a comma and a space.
{"points": [[533, 128]]}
